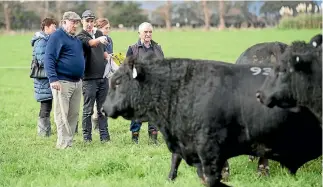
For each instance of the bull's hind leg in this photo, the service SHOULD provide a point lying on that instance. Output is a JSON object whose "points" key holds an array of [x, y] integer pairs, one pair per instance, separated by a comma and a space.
{"points": [[225, 172], [263, 167], [176, 161]]}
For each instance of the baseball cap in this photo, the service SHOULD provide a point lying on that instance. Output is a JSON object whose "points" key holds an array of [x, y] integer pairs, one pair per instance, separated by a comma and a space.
{"points": [[88, 14], [71, 16]]}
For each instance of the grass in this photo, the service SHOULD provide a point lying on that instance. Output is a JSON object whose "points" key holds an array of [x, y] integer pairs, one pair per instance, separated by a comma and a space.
{"points": [[28, 160]]}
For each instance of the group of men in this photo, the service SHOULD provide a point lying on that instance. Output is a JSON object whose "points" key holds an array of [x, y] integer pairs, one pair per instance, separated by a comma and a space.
{"points": [[75, 65]]}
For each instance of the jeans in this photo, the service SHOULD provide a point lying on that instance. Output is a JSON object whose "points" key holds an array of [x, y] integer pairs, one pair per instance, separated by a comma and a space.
{"points": [[45, 108], [94, 90], [135, 126]]}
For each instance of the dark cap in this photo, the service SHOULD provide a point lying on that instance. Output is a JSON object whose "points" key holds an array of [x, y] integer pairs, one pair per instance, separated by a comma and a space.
{"points": [[88, 14]]}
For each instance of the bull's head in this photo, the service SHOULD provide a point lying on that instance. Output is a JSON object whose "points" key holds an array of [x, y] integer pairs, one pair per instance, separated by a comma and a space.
{"points": [[296, 80], [126, 96]]}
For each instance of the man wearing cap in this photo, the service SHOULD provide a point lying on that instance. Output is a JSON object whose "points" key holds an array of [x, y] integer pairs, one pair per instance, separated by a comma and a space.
{"points": [[95, 86], [65, 68]]}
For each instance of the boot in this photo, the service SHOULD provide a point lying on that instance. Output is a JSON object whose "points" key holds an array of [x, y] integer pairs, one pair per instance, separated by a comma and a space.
{"points": [[135, 137], [44, 127], [153, 136]]}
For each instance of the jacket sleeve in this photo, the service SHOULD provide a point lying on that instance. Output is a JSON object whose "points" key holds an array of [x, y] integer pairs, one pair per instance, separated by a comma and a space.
{"points": [[52, 52], [39, 50], [129, 52], [84, 39], [111, 45], [161, 50]]}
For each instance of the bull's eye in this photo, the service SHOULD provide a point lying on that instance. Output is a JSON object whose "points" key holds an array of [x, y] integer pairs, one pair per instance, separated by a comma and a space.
{"points": [[118, 82]]}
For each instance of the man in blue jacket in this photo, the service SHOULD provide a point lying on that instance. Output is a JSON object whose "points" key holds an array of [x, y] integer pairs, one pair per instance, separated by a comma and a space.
{"points": [[64, 65]]}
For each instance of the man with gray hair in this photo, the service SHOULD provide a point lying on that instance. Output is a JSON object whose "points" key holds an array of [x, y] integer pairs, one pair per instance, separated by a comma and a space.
{"points": [[64, 66], [142, 46]]}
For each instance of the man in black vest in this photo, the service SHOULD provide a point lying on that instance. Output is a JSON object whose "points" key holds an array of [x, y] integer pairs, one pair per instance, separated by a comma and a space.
{"points": [[95, 87], [144, 44]]}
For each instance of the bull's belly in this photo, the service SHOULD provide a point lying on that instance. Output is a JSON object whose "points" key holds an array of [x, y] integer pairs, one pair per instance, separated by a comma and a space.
{"points": [[189, 154]]}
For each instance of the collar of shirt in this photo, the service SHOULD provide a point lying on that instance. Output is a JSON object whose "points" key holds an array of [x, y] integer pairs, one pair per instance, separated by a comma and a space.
{"points": [[91, 34], [142, 45], [69, 34]]}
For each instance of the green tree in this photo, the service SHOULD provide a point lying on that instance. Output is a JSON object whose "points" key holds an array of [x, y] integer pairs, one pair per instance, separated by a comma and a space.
{"points": [[127, 13]]}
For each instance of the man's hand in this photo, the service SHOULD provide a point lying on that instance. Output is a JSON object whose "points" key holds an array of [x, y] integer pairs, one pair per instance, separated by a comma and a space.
{"points": [[56, 85], [107, 56], [103, 40]]}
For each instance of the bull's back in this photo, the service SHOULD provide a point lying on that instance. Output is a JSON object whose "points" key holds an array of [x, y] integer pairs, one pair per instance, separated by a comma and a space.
{"points": [[262, 53]]}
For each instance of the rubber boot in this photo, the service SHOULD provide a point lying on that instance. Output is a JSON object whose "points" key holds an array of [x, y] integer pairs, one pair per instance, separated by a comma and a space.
{"points": [[44, 127]]}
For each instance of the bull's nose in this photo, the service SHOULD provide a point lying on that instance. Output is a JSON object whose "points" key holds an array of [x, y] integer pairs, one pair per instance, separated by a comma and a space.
{"points": [[103, 112], [258, 96]]}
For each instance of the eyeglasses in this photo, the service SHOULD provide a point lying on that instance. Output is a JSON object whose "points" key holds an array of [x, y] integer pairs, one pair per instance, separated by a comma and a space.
{"points": [[148, 31]]}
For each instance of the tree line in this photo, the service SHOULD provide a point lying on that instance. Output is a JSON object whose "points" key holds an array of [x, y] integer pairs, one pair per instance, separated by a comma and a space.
{"points": [[27, 15]]}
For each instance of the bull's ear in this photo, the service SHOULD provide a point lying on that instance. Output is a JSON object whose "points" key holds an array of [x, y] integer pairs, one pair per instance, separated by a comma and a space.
{"points": [[138, 73], [302, 62], [134, 72]]}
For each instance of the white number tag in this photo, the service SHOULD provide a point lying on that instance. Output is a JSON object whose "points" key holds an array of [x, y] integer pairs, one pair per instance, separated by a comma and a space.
{"points": [[258, 70]]}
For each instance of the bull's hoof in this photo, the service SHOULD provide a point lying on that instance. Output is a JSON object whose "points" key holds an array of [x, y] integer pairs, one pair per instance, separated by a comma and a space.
{"points": [[203, 180], [225, 174], [251, 158], [263, 171], [172, 177]]}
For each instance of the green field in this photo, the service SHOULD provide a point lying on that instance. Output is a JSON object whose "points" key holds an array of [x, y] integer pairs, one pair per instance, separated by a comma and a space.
{"points": [[28, 160]]}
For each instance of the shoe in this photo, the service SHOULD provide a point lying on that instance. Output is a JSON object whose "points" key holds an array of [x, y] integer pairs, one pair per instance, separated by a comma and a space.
{"points": [[153, 136], [87, 140], [135, 137], [104, 140]]}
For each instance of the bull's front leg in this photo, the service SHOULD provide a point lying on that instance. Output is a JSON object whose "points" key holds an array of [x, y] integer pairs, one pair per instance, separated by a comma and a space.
{"points": [[212, 164], [176, 161], [225, 171], [200, 173]]}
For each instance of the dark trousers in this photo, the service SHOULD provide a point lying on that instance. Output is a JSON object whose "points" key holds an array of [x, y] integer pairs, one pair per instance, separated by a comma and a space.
{"points": [[94, 90], [136, 125], [45, 108]]}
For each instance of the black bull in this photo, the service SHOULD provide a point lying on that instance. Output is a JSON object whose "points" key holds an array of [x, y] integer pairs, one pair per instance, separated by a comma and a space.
{"points": [[207, 113], [267, 53]]}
